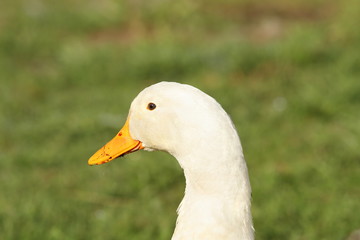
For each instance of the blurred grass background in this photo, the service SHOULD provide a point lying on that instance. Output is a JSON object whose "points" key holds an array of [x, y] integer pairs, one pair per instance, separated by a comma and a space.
{"points": [[288, 72]]}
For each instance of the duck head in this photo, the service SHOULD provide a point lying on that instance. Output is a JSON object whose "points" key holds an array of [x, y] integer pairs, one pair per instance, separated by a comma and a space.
{"points": [[171, 117]]}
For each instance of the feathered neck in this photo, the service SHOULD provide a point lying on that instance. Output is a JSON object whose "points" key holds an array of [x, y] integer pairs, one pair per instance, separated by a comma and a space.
{"points": [[217, 197]]}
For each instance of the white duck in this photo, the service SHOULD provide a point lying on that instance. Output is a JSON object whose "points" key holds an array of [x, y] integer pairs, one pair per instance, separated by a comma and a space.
{"points": [[194, 128]]}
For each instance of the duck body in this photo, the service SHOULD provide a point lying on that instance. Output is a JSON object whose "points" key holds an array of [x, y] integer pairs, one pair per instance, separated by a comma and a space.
{"points": [[194, 128]]}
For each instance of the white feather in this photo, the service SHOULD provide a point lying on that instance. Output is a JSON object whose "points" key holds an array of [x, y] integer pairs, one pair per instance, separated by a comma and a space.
{"points": [[196, 130]]}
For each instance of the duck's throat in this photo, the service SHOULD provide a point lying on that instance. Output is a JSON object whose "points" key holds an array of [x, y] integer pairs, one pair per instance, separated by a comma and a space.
{"points": [[216, 204]]}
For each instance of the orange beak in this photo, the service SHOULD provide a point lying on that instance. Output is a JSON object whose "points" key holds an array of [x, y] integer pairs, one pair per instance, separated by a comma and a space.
{"points": [[120, 145]]}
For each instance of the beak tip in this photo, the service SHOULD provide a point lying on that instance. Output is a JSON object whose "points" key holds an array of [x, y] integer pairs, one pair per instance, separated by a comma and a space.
{"points": [[99, 160]]}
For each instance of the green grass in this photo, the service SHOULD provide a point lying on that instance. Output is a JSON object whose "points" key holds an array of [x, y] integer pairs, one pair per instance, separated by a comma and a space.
{"points": [[287, 72]]}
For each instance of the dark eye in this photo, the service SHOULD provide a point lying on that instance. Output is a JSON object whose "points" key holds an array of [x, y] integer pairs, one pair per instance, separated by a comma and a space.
{"points": [[151, 106]]}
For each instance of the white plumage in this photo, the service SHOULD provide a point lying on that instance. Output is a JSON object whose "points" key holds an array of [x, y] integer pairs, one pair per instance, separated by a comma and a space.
{"points": [[194, 128]]}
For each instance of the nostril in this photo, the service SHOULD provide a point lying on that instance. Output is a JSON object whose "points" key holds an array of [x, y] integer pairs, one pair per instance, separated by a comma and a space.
{"points": [[120, 134]]}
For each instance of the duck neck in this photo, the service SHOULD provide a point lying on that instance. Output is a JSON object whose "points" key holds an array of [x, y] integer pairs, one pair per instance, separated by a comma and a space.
{"points": [[217, 197]]}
